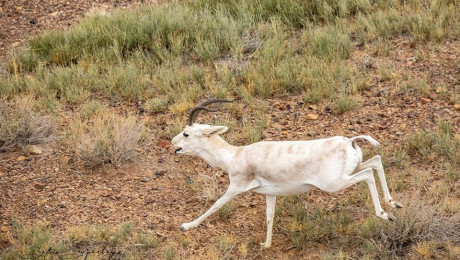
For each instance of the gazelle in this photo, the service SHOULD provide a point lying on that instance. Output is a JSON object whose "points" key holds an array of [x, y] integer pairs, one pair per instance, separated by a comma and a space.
{"points": [[278, 168]]}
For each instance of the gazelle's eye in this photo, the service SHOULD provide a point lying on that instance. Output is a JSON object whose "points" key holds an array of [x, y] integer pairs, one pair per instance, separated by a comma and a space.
{"points": [[186, 135]]}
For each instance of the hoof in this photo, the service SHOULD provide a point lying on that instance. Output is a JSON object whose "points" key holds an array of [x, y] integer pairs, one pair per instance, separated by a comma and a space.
{"points": [[396, 204], [391, 217], [265, 245]]}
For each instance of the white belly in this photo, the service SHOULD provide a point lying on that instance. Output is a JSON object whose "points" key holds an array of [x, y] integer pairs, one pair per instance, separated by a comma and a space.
{"points": [[285, 188]]}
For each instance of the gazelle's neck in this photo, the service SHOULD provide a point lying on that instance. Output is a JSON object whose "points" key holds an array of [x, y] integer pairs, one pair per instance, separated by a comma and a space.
{"points": [[218, 153]]}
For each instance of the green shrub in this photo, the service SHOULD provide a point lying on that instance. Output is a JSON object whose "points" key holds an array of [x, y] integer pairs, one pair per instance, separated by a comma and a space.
{"points": [[330, 43]]}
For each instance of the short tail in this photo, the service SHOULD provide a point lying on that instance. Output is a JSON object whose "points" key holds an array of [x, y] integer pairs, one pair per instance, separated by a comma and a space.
{"points": [[367, 138]]}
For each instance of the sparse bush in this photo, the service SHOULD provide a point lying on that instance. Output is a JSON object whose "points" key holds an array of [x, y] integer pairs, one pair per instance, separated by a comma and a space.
{"points": [[330, 42], [21, 124], [419, 86], [307, 226], [40, 241], [344, 104], [428, 143], [92, 109], [225, 243], [35, 242], [156, 105], [106, 138], [386, 74], [226, 211], [417, 223]]}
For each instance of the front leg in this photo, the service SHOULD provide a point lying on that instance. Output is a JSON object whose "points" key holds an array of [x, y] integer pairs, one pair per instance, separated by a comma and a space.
{"points": [[271, 203], [228, 195]]}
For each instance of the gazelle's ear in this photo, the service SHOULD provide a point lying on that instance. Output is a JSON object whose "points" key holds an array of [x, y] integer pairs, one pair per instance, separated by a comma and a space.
{"points": [[215, 130]]}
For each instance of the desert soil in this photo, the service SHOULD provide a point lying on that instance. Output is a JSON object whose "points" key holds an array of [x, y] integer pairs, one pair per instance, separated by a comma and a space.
{"points": [[156, 191]]}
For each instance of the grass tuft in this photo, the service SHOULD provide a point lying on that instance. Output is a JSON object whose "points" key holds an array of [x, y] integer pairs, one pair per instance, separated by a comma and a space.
{"points": [[21, 124], [105, 138], [429, 144], [415, 225]]}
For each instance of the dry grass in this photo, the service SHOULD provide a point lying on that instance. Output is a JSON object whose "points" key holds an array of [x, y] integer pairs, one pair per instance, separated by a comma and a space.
{"points": [[21, 124], [415, 225], [39, 241], [105, 138], [434, 144]]}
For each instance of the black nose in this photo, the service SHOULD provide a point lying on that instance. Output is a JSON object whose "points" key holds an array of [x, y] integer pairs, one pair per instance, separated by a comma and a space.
{"points": [[177, 150]]}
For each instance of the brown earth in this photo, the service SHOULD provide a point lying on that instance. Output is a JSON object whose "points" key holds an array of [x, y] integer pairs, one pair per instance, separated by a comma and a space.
{"points": [[157, 191]]}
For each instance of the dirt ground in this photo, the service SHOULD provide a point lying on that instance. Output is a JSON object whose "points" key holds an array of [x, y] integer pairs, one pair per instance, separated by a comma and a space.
{"points": [[155, 191]]}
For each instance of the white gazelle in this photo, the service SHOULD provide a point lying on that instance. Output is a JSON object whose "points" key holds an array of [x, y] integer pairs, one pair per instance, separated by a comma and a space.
{"points": [[281, 168]]}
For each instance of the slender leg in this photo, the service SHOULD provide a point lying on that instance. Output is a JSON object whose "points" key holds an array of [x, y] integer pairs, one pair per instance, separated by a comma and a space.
{"points": [[271, 203], [368, 176], [228, 195], [376, 164]]}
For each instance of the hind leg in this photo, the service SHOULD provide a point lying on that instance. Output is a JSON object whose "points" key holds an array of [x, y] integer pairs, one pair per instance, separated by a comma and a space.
{"points": [[368, 176], [376, 164]]}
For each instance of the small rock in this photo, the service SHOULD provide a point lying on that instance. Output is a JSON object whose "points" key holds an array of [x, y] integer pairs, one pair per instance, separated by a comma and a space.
{"points": [[33, 149], [432, 95], [426, 100], [71, 161], [160, 173], [21, 158], [144, 179], [312, 116], [163, 143], [312, 133], [39, 186], [457, 106]]}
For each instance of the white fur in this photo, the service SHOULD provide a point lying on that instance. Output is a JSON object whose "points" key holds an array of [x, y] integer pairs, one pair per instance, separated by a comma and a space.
{"points": [[283, 168]]}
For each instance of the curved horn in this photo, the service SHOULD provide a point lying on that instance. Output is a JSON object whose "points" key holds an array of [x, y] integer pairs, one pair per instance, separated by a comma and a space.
{"points": [[195, 111]]}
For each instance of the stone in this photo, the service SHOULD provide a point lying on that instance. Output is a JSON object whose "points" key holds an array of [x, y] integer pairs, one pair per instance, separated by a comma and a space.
{"points": [[33, 149], [426, 100], [21, 158], [163, 143], [281, 106], [311, 116], [39, 185], [457, 106]]}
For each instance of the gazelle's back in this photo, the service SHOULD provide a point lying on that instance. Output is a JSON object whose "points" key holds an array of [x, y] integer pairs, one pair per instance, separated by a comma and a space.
{"points": [[293, 164]]}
